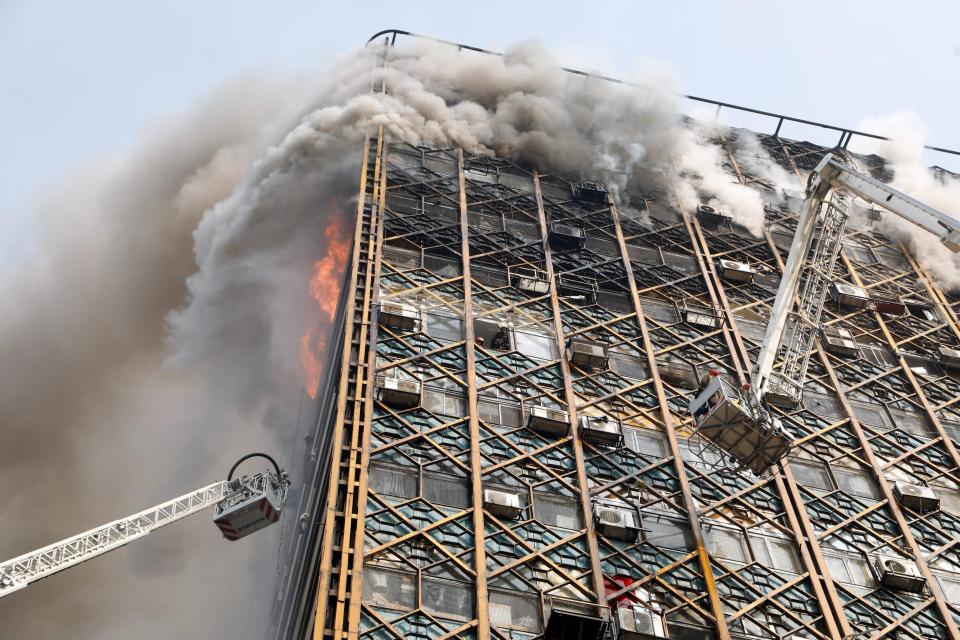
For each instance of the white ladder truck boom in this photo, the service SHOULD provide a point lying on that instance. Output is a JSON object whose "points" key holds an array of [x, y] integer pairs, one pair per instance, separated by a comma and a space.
{"points": [[737, 421], [244, 505]]}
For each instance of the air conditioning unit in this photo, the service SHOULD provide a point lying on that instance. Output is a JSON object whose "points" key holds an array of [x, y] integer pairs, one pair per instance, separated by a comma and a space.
{"points": [[531, 281], [397, 393], [590, 191], [703, 317], [736, 271], [565, 236], [502, 504], [710, 217], [397, 315], [587, 354], [847, 295], [641, 622], [549, 422], [949, 357], [600, 430], [617, 521], [895, 572], [890, 306], [840, 342], [916, 497]]}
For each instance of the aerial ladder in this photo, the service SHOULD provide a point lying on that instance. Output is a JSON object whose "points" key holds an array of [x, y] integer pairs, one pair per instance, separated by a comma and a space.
{"points": [[739, 422], [243, 505]]}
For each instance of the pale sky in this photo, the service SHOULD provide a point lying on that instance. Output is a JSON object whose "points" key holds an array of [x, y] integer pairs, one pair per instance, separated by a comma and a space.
{"points": [[83, 79]]}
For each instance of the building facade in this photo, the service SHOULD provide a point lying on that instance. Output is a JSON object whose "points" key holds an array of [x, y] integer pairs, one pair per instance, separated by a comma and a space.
{"points": [[510, 447]]}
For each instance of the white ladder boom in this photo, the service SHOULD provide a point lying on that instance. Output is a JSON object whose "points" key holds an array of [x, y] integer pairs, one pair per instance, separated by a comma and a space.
{"points": [[21, 571]]}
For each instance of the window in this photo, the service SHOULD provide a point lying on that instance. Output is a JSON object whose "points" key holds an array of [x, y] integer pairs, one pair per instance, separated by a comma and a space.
{"points": [[446, 490], [856, 482], [811, 474], [628, 366], [558, 511], [666, 532], [444, 404], [727, 544], [644, 441], [850, 569], [495, 413], [444, 328], [445, 596], [389, 588], [515, 611], [442, 266], [822, 405], [402, 482], [536, 345], [951, 588], [397, 482], [776, 553]]}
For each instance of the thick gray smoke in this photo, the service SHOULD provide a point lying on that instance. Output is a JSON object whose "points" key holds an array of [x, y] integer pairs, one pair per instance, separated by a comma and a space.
{"points": [[155, 335], [904, 156]]}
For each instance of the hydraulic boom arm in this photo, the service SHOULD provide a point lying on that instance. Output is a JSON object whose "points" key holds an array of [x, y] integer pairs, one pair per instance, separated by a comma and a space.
{"points": [[244, 505], [830, 175]]}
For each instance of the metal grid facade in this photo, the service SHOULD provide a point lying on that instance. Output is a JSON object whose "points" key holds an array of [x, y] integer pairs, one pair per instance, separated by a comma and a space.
{"points": [[409, 551]]}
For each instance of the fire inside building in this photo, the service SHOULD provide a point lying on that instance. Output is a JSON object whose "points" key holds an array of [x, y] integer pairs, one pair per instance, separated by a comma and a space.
{"points": [[510, 449]]}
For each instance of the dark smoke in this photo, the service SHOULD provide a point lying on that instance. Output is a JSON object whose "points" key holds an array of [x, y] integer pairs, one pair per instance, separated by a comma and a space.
{"points": [[154, 337]]}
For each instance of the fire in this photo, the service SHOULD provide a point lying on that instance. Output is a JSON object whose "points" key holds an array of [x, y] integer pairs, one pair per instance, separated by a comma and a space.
{"points": [[325, 288]]}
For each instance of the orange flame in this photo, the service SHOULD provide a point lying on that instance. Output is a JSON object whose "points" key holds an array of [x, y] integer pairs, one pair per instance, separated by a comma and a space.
{"points": [[325, 289]]}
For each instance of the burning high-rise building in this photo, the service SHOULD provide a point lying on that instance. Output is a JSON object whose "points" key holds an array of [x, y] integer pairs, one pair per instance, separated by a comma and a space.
{"points": [[504, 447]]}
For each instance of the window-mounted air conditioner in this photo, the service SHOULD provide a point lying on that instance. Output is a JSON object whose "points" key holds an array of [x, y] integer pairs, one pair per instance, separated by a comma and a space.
{"points": [[587, 354], [502, 504], [641, 622], [565, 236], [398, 393], [916, 497], [600, 430], [590, 191], [736, 271], [840, 342], [398, 315], [617, 521], [847, 295], [895, 572], [949, 357], [531, 281], [550, 422], [710, 217]]}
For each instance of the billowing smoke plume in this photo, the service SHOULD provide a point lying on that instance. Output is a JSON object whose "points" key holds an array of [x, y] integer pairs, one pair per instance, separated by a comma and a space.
{"points": [[156, 335], [912, 175]]}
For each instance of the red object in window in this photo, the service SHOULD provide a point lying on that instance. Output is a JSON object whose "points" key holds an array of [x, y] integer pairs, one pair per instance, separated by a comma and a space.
{"points": [[616, 583]]}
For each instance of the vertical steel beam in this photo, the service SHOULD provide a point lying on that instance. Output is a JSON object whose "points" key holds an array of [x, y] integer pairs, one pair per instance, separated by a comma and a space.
{"points": [[693, 517], [331, 513], [479, 551], [361, 431], [571, 401]]}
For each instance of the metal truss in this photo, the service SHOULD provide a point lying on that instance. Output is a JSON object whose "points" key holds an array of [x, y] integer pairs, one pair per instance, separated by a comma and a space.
{"points": [[409, 550]]}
